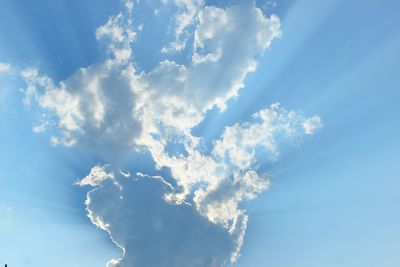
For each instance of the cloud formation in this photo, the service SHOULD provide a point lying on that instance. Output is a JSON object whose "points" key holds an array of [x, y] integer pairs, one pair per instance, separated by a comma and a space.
{"points": [[110, 107], [162, 233]]}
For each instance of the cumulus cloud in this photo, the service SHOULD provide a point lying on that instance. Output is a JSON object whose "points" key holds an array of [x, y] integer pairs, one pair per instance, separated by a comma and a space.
{"points": [[93, 106], [194, 218], [209, 190], [216, 183], [226, 41], [159, 234], [239, 143]]}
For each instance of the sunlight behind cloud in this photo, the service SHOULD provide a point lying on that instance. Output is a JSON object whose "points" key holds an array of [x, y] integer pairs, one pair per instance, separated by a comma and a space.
{"points": [[110, 107]]}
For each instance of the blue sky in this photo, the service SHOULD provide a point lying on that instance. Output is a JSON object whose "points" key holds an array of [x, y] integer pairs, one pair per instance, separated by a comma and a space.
{"points": [[329, 198]]}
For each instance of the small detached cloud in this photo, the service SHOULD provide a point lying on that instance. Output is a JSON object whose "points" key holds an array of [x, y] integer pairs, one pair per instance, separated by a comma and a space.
{"points": [[4, 68], [311, 124], [196, 218]]}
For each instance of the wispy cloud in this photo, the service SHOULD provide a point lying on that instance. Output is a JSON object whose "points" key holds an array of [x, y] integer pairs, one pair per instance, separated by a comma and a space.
{"points": [[4, 67], [185, 18]]}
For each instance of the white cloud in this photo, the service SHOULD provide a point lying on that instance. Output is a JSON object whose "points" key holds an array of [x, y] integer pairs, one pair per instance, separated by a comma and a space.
{"points": [[239, 143], [97, 175], [217, 183], [118, 34], [110, 107], [93, 107], [186, 16], [4, 68], [151, 232], [176, 95], [311, 124], [226, 41]]}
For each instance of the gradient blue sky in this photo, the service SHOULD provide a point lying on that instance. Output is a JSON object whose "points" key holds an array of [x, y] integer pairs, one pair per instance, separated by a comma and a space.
{"points": [[334, 199]]}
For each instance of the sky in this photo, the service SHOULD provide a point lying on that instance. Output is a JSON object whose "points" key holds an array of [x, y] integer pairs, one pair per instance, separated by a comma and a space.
{"points": [[199, 133]]}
